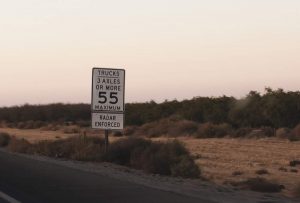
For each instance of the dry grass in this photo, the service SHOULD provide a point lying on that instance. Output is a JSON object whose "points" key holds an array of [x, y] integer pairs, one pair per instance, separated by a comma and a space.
{"points": [[221, 157], [35, 135]]}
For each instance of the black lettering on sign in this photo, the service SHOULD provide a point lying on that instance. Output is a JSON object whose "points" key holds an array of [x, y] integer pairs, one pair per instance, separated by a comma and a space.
{"points": [[107, 124], [113, 99], [112, 88], [109, 81], [107, 117], [110, 73]]}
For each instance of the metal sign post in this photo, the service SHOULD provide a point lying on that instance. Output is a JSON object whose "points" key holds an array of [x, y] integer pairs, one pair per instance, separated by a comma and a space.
{"points": [[106, 141], [108, 106]]}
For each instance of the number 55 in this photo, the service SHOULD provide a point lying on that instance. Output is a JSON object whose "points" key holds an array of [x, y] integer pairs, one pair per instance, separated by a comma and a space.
{"points": [[113, 97]]}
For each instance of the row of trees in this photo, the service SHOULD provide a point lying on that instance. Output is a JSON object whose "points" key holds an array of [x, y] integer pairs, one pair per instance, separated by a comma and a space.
{"points": [[274, 108]]}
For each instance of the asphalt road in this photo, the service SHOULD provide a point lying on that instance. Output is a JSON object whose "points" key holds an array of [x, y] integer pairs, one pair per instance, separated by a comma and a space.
{"points": [[32, 181]]}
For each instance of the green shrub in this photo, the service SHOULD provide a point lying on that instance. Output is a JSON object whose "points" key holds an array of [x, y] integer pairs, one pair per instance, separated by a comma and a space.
{"points": [[4, 139]]}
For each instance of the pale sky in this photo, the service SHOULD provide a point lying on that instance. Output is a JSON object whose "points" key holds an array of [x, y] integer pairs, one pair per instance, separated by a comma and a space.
{"points": [[169, 48]]}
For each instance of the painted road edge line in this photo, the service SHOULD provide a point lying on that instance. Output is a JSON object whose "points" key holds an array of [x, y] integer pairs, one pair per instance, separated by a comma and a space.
{"points": [[8, 198]]}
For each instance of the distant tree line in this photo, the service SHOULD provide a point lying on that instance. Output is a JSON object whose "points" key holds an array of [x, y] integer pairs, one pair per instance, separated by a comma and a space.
{"points": [[274, 108], [47, 113]]}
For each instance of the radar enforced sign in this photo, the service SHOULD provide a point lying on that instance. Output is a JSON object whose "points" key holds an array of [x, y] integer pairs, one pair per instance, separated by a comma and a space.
{"points": [[108, 90]]}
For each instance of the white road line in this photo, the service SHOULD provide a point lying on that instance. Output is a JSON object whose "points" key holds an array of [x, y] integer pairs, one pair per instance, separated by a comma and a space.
{"points": [[8, 198]]}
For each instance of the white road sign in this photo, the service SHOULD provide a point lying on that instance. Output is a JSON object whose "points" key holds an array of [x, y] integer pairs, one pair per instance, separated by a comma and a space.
{"points": [[108, 90], [108, 121]]}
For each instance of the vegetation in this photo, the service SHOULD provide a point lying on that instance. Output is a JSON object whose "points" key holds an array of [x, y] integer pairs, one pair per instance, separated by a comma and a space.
{"points": [[259, 185], [263, 185], [297, 190], [262, 172], [170, 158], [274, 108], [4, 139], [294, 163]]}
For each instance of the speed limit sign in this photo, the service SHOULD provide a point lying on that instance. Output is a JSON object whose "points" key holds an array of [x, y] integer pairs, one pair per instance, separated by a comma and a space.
{"points": [[108, 91]]}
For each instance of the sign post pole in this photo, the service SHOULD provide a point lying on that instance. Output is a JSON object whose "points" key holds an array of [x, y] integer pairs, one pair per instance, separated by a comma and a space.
{"points": [[106, 141]]}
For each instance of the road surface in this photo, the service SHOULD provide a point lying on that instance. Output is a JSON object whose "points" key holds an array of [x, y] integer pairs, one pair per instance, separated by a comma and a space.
{"points": [[31, 181]]}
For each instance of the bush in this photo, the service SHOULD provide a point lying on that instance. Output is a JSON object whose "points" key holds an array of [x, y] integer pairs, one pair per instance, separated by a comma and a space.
{"points": [[261, 185], [121, 151], [77, 148], [295, 134], [262, 172], [117, 133], [51, 127], [3, 124], [185, 168], [282, 169], [261, 132], [71, 129], [170, 127], [83, 123], [162, 158], [297, 190], [181, 128], [209, 130], [237, 173], [4, 139], [170, 158], [296, 131], [241, 132], [294, 163], [283, 133], [154, 129], [130, 130], [20, 145], [268, 131]]}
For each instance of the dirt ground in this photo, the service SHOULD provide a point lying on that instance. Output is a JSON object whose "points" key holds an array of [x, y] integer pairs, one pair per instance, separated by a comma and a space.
{"points": [[220, 158]]}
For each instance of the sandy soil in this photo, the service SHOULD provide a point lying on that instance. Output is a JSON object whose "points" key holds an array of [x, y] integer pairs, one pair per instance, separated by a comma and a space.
{"points": [[220, 158]]}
